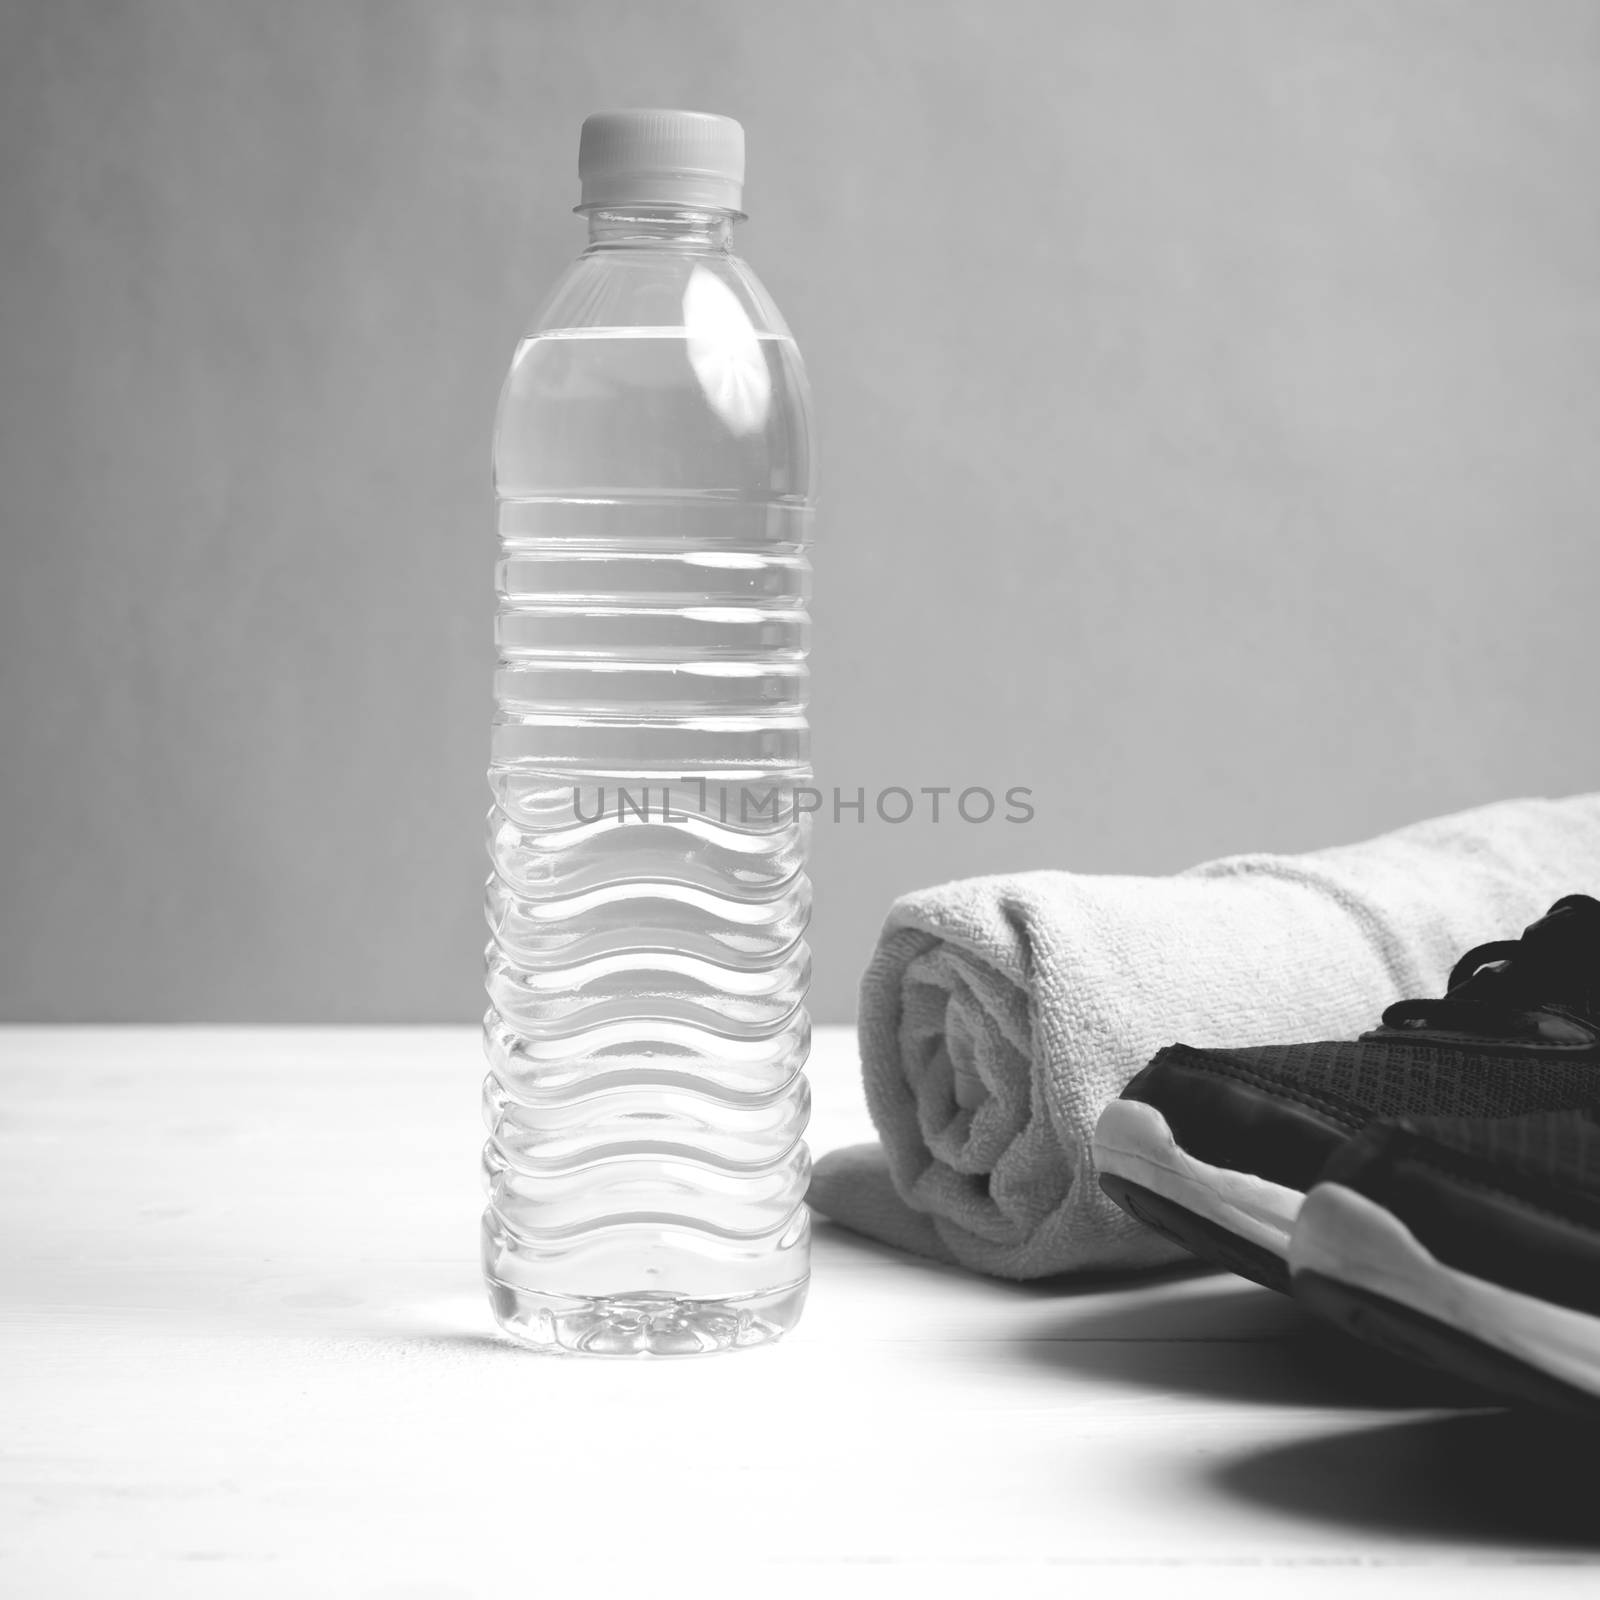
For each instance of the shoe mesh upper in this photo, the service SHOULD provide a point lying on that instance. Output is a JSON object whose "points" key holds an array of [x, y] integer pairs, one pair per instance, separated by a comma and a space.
{"points": [[1389, 1078], [1561, 1149]]}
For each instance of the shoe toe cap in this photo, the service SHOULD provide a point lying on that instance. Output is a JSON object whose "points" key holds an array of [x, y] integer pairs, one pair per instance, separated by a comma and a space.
{"points": [[1231, 1108], [1458, 1191]]}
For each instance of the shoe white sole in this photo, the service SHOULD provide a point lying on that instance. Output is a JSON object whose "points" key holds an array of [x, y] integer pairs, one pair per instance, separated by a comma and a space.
{"points": [[1345, 1237], [1132, 1141]]}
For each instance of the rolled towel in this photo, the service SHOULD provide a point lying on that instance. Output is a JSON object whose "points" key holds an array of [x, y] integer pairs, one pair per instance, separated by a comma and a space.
{"points": [[999, 1015]]}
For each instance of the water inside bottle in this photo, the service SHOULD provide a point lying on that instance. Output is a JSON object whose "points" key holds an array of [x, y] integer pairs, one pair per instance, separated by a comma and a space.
{"points": [[647, 966]]}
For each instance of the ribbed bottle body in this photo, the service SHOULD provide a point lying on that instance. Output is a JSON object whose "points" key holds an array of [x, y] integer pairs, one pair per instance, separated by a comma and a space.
{"points": [[647, 903]]}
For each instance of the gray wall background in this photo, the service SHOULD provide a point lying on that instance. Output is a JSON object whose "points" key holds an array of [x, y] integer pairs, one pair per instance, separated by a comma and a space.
{"points": [[1208, 395]]}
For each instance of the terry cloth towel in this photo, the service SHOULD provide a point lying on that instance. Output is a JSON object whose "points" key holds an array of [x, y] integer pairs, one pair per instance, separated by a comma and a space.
{"points": [[999, 1015]]}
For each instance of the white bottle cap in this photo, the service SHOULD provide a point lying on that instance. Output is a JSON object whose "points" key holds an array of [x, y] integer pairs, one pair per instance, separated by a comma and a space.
{"points": [[661, 158]]}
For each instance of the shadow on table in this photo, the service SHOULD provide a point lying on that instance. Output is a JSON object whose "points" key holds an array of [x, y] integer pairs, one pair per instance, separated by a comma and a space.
{"points": [[464, 1344], [1186, 1329], [1230, 1340], [1494, 1477]]}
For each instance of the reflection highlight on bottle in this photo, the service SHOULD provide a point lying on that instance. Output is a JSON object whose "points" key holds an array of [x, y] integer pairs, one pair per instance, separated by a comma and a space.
{"points": [[726, 354]]}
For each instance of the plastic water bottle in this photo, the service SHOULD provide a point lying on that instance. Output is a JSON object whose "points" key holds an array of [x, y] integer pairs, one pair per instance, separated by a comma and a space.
{"points": [[647, 969]]}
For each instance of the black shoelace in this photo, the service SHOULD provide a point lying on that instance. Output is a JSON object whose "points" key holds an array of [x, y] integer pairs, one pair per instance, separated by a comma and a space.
{"points": [[1543, 987]]}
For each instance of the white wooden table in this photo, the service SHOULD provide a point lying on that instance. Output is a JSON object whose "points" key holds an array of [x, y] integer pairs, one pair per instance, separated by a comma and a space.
{"points": [[246, 1354]]}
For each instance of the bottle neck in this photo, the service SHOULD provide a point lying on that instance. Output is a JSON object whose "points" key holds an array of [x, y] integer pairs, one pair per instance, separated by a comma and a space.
{"points": [[660, 228]]}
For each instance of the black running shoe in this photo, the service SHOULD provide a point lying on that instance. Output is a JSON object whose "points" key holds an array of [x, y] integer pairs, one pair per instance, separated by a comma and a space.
{"points": [[1216, 1148], [1471, 1246]]}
